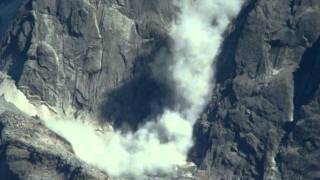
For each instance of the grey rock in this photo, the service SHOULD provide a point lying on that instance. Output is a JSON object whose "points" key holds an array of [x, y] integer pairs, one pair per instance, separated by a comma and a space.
{"points": [[99, 56], [29, 150], [75, 53], [266, 97]]}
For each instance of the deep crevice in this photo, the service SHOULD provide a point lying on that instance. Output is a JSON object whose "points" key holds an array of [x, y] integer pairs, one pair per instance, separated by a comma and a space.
{"points": [[306, 83], [306, 78], [18, 57]]}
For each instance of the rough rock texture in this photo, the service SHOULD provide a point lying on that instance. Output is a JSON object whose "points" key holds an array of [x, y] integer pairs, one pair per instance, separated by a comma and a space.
{"points": [[263, 120], [264, 117], [82, 53], [29, 150]]}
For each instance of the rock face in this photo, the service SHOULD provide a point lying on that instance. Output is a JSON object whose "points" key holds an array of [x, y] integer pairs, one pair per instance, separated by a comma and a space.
{"points": [[29, 150], [95, 55], [262, 121], [81, 53]]}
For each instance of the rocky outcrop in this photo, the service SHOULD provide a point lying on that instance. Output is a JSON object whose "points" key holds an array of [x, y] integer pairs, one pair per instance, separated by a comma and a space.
{"points": [[29, 150], [262, 118], [95, 55], [78, 53]]}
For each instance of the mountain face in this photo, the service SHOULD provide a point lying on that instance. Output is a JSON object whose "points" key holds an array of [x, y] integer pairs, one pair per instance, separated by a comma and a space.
{"points": [[98, 56], [263, 119], [83, 54]]}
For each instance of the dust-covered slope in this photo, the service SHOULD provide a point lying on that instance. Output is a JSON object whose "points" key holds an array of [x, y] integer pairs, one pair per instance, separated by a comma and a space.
{"points": [[100, 56]]}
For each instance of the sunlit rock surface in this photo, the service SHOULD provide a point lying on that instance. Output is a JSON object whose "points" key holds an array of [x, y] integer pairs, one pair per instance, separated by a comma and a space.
{"points": [[82, 53], [29, 150], [263, 119]]}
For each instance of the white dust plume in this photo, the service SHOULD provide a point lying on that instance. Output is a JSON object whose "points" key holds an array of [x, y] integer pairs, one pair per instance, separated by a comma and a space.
{"points": [[161, 145]]}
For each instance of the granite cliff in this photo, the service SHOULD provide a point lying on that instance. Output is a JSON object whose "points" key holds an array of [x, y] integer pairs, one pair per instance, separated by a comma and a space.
{"points": [[97, 56]]}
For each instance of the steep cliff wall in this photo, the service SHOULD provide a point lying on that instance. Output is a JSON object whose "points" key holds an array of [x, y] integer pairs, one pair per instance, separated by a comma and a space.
{"points": [[263, 118], [82, 53]]}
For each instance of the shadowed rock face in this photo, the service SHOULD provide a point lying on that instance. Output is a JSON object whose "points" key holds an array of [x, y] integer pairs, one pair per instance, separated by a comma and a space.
{"points": [[99, 56], [8, 11], [261, 121]]}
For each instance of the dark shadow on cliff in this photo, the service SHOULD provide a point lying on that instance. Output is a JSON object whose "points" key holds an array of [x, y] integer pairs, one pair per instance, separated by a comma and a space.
{"points": [[13, 56], [131, 104], [146, 94], [306, 83], [225, 67], [306, 78]]}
